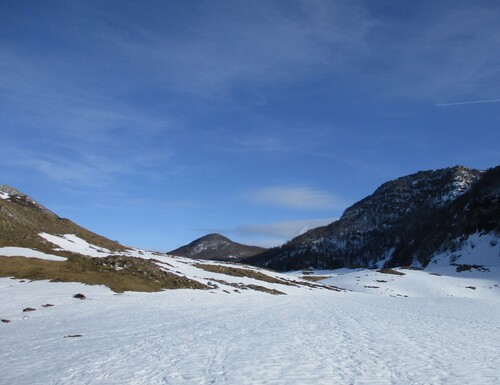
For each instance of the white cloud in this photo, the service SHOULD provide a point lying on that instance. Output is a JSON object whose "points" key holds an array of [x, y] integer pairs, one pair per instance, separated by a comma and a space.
{"points": [[298, 198]]}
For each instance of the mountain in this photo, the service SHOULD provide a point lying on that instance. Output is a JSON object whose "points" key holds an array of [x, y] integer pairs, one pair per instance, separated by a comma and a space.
{"points": [[216, 247], [406, 221]]}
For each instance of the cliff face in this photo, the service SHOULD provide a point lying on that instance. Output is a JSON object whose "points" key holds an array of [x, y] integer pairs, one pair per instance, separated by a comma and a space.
{"points": [[405, 221]]}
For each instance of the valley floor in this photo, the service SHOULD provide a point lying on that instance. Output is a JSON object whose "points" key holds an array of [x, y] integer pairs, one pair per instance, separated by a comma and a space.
{"points": [[199, 337]]}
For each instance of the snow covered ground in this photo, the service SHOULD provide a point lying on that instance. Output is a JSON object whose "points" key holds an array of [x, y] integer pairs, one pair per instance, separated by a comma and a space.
{"points": [[435, 326], [202, 337]]}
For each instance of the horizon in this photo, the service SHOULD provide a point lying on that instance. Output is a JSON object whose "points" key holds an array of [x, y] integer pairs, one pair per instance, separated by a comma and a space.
{"points": [[297, 228], [157, 124]]}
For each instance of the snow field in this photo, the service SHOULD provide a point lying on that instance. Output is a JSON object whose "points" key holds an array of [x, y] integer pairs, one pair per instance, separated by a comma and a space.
{"points": [[416, 283], [435, 326], [198, 337]]}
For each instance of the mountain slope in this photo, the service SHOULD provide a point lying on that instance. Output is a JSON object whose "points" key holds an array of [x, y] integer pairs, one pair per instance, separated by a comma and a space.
{"points": [[216, 247], [405, 221], [22, 219]]}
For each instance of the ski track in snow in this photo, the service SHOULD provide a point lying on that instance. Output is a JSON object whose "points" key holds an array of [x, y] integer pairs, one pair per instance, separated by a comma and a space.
{"points": [[198, 337]]}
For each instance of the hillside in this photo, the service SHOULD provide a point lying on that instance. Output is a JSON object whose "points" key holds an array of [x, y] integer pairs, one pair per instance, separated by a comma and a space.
{"points": [[404, 222], [22, 219], [216, 247], [37, 244]]}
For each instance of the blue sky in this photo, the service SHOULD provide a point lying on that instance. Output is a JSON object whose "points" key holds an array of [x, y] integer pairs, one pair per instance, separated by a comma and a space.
{"points": [[156, 122]]}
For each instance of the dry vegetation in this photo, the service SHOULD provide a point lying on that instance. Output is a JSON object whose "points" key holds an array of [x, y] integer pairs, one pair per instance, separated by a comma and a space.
{"points": [[314, 278], [243, 286], [240, 272], [390, 271], [134, 274]]}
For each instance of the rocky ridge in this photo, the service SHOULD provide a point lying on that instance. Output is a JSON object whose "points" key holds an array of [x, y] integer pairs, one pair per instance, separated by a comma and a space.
{"points": [[405, 221]]}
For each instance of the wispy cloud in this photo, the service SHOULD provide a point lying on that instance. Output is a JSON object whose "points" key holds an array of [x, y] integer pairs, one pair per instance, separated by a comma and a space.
{"points": [[72, 133], [468, 102], [262, 43], [432, 53], [82, 168], [452, 54], [283, 230], [297, 198]]}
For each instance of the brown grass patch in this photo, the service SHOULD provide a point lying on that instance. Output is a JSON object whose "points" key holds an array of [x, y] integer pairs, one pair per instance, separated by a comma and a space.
{"points": [[239, 272], [138, 275], [243, 286], [390, 271], [314, 278]]}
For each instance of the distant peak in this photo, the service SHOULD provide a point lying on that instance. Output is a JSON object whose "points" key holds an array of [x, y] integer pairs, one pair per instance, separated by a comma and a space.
{"points": [[213, 236], [216, 247]]}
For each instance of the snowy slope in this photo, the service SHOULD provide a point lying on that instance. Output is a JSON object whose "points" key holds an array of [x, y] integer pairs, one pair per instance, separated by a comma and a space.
{"points": [[74, 244], [471, 271]]}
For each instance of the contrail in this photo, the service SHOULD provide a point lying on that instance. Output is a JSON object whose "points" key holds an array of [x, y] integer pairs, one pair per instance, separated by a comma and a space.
{"points": [[471, 102]]}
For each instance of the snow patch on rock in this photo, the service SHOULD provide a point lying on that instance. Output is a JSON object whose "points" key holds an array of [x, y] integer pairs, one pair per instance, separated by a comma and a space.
{"points": [[4, 195], [28, 253]]}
